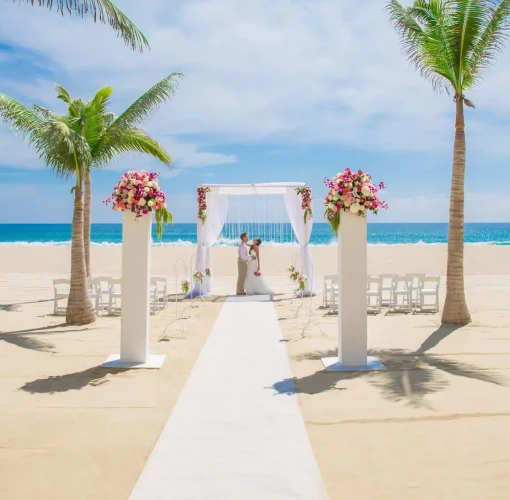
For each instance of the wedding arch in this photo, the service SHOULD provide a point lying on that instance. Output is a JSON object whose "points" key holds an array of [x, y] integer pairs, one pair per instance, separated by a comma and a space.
{"points": [[213, 205]]}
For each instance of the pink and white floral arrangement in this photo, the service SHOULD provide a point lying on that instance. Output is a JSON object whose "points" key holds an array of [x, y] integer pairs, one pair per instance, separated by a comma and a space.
{"points": [[207, 272], [139, 192], [306, 202], [185, 284], [202, 202], [198, 277], [298, 278], [351, 192]]}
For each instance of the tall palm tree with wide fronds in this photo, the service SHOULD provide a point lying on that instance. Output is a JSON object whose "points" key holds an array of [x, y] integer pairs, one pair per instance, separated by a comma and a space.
{"points": [[452, 43], [109, 136], [67, 152], [103, 10]]}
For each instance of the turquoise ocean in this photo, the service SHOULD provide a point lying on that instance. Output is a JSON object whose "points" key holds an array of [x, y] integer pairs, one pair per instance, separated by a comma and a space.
{"points": [[185, 234]]}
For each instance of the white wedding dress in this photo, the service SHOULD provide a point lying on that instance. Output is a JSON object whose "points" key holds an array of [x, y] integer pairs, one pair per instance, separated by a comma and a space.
{"points": [[255, 285]]}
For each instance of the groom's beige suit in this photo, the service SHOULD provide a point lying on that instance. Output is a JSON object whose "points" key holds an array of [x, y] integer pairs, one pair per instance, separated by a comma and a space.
{"points": [[242, 266]]}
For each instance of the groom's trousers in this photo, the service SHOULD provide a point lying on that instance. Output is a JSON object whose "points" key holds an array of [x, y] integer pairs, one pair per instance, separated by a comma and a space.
{"points": [[242, 267]]}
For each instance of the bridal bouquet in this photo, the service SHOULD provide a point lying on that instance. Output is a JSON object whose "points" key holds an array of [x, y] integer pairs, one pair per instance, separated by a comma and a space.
{"points": [[185, 284], [198, 277], [139, 192], [257, 273], [351, 192]]}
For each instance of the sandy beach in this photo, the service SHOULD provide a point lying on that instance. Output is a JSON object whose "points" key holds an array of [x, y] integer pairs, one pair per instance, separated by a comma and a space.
{"points": [[435, 424]]}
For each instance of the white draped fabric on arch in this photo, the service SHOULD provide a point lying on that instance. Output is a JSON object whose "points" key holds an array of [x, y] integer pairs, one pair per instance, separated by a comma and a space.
{"points": [[208, 231]]}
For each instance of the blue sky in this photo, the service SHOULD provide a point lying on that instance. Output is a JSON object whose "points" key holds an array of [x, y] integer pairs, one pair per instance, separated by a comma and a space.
{"points": [[293, 90]]}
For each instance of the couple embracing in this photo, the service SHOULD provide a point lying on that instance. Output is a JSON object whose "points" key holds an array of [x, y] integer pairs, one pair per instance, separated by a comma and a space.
{"points": [[249, 277]]}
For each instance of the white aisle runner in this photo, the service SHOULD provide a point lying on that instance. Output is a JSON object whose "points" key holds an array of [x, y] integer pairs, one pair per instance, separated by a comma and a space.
{"points": [[231, 436]]}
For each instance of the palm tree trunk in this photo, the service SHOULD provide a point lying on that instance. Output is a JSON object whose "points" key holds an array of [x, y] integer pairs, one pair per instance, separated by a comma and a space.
{"points": [[455, 310], [79, 306], [87, 219]]}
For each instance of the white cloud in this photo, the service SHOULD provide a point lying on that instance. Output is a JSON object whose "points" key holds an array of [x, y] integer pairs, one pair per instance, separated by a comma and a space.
{"points": [[287, 71]]}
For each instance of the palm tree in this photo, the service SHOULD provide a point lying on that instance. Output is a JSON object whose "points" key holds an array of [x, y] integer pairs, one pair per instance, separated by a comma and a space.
{"points": [[66, 152], [451, 43], [109, 136], [103, 10]]}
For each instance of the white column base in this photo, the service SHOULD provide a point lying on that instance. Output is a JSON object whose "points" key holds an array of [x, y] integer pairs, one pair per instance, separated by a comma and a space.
{"points": [[153, 361], [334, 365]]}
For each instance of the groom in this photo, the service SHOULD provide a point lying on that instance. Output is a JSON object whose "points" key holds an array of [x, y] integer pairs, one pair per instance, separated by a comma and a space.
{"points": [[242, 263]]}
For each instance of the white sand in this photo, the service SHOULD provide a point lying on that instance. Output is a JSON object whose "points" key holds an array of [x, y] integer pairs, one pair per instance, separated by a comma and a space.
{"points": [[436, 424]]}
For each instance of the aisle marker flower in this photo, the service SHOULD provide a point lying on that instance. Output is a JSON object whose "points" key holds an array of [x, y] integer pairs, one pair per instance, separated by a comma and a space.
{"points": [[351, 192], [198, 277], [306, 202], [185, 284], [207, 272], [202, 202], [139, 192]]}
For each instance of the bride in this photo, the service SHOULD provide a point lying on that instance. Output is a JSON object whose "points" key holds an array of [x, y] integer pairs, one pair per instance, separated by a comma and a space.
{"points": [[255, 283]]}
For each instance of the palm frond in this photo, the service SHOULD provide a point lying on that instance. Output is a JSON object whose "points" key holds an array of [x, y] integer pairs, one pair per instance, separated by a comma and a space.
{"points": [[62, 93], [22, 119], [149, 102], [62, 149], [94, 116], [104, 11], [489, 41], [427, 39], [128, 140]]}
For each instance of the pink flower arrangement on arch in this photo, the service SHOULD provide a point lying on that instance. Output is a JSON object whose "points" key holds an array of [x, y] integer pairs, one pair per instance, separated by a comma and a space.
{"points": [[351, 192], [202, 202]]}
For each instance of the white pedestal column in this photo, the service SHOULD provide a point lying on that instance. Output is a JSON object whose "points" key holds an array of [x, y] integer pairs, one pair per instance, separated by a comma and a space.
{"points": [[352, 298], [135, 300]]}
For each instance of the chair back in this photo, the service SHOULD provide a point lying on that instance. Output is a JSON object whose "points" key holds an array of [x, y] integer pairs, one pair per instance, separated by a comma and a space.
{"points": [[387, 279], [415, 277], [333, 278], [59, 283], [374, 280], [115, 284], [424, 280], [401, 283]]}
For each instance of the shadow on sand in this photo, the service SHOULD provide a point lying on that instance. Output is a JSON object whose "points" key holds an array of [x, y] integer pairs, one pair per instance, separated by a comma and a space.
{"points": [[71, 381], [25, 338], [409, 377]]}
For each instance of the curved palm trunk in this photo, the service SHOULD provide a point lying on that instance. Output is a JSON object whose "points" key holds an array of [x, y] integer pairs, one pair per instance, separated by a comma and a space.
{"points": [[79, 306], [87, 208], [455, 310]]}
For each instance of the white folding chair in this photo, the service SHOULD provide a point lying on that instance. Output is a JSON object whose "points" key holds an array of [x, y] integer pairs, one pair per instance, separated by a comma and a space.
{"points": [[428, 287], [374, 291], [386, 288], [155, 294], [115, 286], [163, 290], [104, 285], [328, 291], [94, 286], [401, 288], [61, 291], [415, 279]]}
